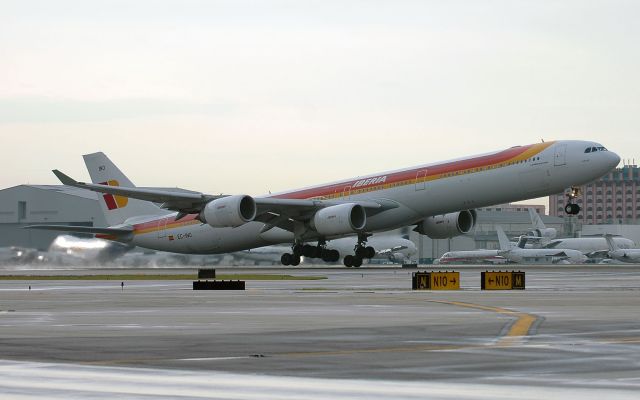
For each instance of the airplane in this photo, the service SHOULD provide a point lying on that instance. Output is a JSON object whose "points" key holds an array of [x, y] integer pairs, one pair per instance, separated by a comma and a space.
{"points": [[522, 255], [616, 253], [491, 256], [543, 237], [438, 198], [540, 230], [392, 248], [471, 257]]}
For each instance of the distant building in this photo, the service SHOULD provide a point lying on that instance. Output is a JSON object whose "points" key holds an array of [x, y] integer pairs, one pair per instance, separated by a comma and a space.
{"points": [[44, 204], [610, 199]]}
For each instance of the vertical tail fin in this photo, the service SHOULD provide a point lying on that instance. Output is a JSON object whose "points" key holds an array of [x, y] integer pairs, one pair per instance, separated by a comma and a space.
{"points": [[612, 245], [502, 239], [536, 221], [116, 209]]}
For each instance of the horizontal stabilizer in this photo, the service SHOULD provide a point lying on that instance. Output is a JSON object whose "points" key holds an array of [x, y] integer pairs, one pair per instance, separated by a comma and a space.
{"points": [[84, 229]]}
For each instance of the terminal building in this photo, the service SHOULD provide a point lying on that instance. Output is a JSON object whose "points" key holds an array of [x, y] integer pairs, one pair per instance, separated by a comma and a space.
{"points": [[612, 199]]}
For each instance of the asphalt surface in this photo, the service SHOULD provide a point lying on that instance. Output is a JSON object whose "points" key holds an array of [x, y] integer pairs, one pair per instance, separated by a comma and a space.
{"points": [[574, 332]]}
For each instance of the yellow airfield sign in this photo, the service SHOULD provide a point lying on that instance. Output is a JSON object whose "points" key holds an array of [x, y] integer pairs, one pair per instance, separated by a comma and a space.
{"points": [[445, 280], [502, 280], [449, 280]]}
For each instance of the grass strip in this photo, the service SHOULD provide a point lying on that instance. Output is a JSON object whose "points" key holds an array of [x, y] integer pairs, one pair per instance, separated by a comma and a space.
{"points": [[157, 277]]}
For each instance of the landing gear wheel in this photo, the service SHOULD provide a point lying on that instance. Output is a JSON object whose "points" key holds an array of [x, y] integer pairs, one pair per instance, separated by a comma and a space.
{"points": [[357, 261], [295, 261], [334, 256], [370, 252], [308, 251], [286, 259], [572, 209], [325, 255], [297, 250], [348, 261], [361, 252]]}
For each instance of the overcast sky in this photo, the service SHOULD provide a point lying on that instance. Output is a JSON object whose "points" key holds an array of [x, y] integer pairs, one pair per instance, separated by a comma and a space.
{"points": [[250, 96]]}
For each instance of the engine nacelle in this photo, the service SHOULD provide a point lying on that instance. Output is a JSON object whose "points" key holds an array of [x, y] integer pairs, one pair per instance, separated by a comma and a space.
{"points": [[448, 225], [339, 220], [547, 233], [230, 211]]}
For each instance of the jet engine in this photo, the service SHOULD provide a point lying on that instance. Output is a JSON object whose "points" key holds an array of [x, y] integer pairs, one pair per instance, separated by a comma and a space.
{"points": [[447, 225], [230, 211], [339, 220]]}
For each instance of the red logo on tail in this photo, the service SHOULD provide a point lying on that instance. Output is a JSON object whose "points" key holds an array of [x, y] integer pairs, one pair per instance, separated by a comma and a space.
{"points": [[114, 202]]}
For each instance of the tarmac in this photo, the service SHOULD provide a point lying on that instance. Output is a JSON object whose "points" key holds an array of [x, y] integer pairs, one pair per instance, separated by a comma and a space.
{"points": [[360, 333]]}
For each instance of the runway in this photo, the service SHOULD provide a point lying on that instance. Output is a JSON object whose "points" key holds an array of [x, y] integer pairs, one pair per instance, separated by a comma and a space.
{"points": [[574, 332]]}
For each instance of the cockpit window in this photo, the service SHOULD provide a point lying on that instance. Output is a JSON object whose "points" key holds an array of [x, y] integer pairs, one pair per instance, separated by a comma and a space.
{"points": [[601, 149], [588, 150]]}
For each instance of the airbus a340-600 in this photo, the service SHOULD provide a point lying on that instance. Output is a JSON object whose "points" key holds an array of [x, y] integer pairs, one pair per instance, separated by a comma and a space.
{"points": [[438, 199]]}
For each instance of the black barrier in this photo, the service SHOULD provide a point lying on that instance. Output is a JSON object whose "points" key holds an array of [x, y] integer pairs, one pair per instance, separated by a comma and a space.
{"points": [[208, 273], [410, 265], [218, 285], [420, 281]]}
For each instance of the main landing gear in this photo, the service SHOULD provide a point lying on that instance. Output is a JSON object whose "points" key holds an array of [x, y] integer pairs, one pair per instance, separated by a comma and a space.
{"points": [[305, 250], [571, 208], [361, 251]]}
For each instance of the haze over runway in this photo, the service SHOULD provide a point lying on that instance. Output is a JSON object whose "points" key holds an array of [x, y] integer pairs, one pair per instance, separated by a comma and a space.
{"points": [[216, 96]]}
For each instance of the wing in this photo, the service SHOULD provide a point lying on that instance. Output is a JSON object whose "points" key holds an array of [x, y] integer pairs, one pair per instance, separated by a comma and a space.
{"points": [[176, 201], [272, 211]]}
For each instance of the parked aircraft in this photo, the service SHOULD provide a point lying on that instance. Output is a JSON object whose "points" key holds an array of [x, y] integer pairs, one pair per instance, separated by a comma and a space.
{"points": [[551, 256], [540, 230], [437, 198], [471, 257], [543, 237], [626, 255]]}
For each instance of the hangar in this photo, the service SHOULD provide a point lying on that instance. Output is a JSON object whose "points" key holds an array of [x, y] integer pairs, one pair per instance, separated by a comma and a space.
{"points": [[24, 205]]}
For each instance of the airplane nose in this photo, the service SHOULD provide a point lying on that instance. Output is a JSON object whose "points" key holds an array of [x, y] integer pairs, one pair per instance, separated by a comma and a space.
{"points": [[614, 159]]}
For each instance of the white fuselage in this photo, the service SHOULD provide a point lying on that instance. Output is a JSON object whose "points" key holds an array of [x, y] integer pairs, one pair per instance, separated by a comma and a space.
{"points": [[588, 244], [626, 255], [514, 174], [470, 256], [543, 256]]}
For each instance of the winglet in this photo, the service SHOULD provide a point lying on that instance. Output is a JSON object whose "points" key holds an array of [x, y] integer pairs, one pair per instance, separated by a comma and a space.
{"points": [[66, 180]]}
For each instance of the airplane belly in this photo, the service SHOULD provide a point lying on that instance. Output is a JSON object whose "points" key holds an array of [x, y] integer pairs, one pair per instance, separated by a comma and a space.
{"points": [[203, 239]]}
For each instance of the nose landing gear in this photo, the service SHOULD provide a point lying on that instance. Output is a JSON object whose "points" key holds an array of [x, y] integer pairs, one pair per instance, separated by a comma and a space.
{"points": [[571, 208]]}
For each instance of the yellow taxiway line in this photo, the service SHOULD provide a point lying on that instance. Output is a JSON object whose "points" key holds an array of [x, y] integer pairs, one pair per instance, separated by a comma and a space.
{"points": [[518, 330]]}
